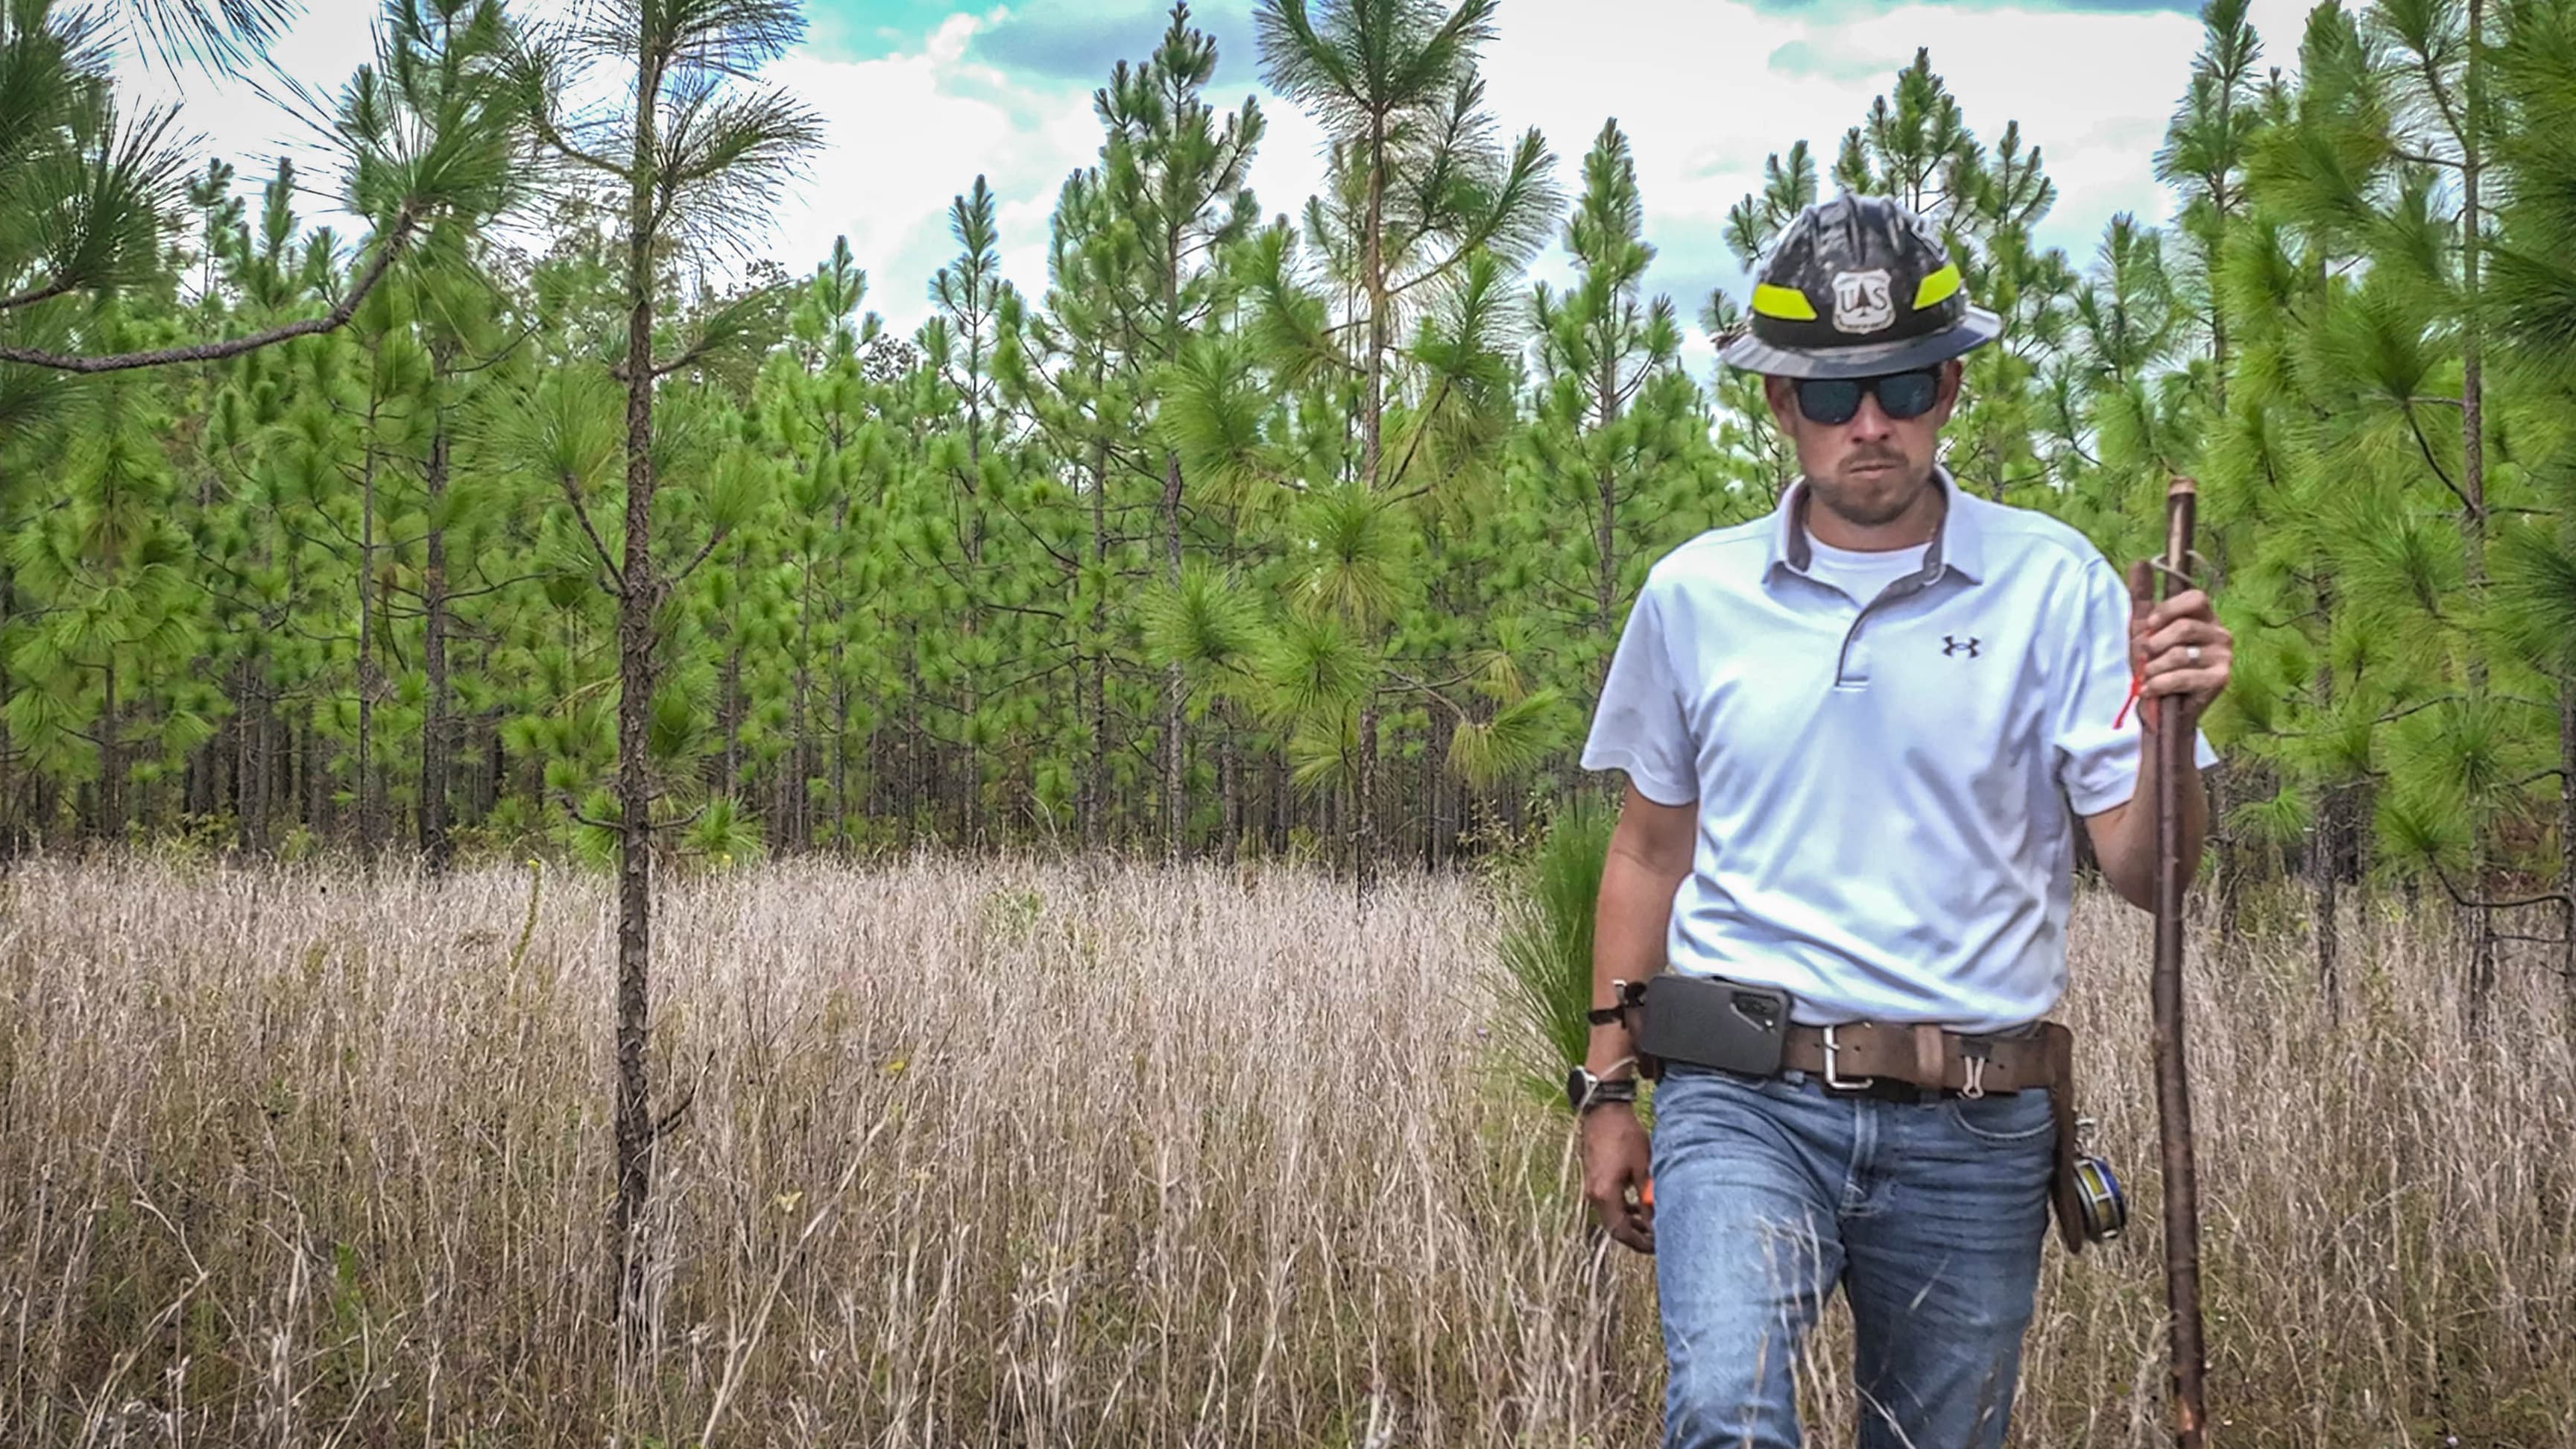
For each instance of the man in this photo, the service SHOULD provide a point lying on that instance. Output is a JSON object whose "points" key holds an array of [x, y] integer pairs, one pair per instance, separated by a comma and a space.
{"points": [[1852, 732]]}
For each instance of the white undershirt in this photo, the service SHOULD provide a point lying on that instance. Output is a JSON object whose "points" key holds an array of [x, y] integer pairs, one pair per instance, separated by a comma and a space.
{"points": [[1862, 575]]}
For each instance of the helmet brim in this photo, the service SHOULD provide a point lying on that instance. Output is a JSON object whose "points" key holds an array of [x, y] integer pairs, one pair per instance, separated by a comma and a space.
{"points": [[1975, 330]]}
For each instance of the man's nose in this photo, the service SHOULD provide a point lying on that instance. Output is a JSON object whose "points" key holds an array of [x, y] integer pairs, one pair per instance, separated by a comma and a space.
{"points": [[1871, 423]]}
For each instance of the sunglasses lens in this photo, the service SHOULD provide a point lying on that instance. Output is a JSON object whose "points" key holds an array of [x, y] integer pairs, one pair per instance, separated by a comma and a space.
{"points": [[1908, 394], [1828, 399]]}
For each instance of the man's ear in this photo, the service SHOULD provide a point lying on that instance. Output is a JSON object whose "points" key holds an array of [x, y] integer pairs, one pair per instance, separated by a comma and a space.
{"points": [[1948, 396], [1781, 394]]}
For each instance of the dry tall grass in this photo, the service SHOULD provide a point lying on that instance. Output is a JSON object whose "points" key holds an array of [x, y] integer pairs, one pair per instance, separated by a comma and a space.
{"points": [[1063, 1155]]}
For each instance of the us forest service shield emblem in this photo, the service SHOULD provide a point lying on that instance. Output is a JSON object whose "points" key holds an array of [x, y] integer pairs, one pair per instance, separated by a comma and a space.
{"points": [[1863, 301]]}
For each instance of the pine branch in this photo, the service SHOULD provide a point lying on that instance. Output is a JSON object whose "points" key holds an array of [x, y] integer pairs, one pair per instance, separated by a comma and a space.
{"points": [[581, 818], [1412, 445], [607, 560], [715, 540], [2552, 898], [671, 1119], [389, 248], [553, 140], [33, 295], [697, 352], [2433, 463], [2424, 159], [1062, 559]]}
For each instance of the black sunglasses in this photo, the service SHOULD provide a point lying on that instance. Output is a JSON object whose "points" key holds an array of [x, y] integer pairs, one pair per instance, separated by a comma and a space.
{"points": [[1836, 400]]}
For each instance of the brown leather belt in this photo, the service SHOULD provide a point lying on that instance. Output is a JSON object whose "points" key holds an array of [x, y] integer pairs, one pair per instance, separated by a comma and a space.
{"points": [[1925, 1057]]}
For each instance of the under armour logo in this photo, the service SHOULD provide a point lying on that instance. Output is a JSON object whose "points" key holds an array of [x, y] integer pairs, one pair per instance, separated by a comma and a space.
{"points": [[1952, 644]]}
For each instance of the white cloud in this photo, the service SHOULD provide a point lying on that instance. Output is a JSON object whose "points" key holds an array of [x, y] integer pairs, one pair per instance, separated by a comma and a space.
{"points": [[232, 118], [1692, 82], [906, 133], [1693, 85]]}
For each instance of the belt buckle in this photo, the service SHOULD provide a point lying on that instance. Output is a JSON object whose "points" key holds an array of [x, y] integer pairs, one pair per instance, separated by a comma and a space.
{"points": [[1833, 1068]]}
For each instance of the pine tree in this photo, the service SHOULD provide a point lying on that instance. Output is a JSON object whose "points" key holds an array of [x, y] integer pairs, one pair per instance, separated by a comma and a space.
{"points": [[2204, 155], [2533, 297], [689, 170], [1617, 432], [961, 342], [1418, 191], [1172, 181], [114, 609]]}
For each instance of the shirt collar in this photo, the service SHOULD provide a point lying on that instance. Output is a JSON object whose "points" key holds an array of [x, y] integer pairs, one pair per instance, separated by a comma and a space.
{"points": [[1958, 542]]}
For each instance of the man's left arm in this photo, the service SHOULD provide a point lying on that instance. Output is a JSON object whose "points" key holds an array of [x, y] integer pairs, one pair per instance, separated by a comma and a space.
{"points": [[2181, 657]]}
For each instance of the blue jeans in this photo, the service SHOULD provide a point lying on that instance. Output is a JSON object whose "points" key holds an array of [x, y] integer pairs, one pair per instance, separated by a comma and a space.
{"points": [[1931, 1216]]}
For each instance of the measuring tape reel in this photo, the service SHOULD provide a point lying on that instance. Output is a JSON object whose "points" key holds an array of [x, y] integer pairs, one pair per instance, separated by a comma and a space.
{"points": [[2103, 1202]]}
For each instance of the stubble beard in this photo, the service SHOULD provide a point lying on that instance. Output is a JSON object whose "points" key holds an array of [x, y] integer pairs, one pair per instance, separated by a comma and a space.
{"points": [[1861, 506]]}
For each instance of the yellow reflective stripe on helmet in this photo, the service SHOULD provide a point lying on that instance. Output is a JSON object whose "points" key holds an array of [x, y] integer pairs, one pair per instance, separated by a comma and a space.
{"points": [[1937, 287], [1786, 303]]}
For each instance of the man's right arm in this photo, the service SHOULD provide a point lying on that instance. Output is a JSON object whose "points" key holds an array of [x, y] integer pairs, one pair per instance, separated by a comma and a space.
{"points": [[1650, 855]]}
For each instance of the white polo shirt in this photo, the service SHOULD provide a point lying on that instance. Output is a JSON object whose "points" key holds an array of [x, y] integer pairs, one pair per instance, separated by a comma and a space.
{"points": [[1882, 785]]}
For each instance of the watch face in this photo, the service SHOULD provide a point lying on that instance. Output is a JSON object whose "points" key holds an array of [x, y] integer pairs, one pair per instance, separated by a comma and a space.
{"points": [[1578, 1083]]}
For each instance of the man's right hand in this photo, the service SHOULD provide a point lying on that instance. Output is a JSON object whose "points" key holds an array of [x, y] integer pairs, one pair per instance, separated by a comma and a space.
{"points": [[1616, 1163]]}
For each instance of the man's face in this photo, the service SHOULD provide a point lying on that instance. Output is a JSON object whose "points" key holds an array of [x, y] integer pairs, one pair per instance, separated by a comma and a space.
{"points": [[1869, 470]]}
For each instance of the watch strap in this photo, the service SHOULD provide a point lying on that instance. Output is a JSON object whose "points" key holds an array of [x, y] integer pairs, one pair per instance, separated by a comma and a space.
{"points": [[1600, 1091]]}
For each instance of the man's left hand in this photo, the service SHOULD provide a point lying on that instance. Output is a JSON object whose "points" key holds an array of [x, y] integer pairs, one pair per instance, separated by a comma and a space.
{"points": [[2176, 648]]}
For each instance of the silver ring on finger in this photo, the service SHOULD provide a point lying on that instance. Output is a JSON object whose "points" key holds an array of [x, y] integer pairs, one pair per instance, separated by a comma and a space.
{"points": [[2191, 655]]}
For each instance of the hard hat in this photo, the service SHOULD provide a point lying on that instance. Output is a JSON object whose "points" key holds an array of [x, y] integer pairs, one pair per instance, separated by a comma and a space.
{"points": [[1858, 287]]}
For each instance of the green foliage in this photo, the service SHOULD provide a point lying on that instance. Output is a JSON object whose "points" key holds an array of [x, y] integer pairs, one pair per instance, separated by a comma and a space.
{"points": [[1302, 535], [1547, 947]]}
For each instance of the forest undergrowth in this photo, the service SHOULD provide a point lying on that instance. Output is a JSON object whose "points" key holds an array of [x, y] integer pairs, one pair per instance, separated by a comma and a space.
{"points": [[1047, 1153]]}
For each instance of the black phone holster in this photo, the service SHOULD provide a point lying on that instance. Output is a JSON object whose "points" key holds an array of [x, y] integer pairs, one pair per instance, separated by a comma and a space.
{"points": [[1707, 1021]]}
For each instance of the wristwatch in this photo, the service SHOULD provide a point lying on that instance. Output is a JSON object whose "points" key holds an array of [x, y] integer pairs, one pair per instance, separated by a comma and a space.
{"points": [[1584, 1091]]}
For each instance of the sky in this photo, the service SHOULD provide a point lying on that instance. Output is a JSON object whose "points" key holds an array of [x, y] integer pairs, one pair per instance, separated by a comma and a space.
{"points": [[918, 97]]}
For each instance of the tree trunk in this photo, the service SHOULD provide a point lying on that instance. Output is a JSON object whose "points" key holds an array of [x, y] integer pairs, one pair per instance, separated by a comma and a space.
{"points": [[638, 591], [320, 809], [2218, 337], [369, 839], [256, 769], [1175, 687], [1435, 791], [2480, 923], [911, 740], [2218, 194], [840, 748], [499, 762], [1606, 586], [2325, 871], [1229, 782], [799, 824], [732, 708], [111, 762], [437, 725], [1282, 812], [2326, 854], [970, 764], [2567, 838], [1364, 800], [1095, 784], [1373, 280]]}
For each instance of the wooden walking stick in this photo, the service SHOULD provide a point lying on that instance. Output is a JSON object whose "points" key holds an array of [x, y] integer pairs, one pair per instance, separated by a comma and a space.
{"points": [[2174, 761]]}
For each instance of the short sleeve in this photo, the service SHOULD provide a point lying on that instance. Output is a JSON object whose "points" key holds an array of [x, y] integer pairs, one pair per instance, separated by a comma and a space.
{"points": [[1639, 726], [2096, 747]]}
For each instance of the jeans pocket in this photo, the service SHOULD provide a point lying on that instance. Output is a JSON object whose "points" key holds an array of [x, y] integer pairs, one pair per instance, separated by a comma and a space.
{"points": [[2006, 1119]]}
